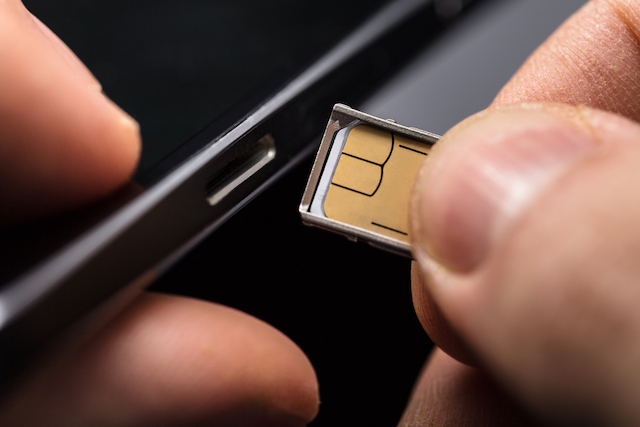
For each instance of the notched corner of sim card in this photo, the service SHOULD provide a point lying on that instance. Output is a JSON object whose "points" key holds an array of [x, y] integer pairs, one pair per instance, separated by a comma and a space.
{"points": [[346, 193]]}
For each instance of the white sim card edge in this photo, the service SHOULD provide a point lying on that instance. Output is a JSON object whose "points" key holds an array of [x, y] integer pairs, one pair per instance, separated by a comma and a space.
{"points": [[343, 119], [340, 138]]}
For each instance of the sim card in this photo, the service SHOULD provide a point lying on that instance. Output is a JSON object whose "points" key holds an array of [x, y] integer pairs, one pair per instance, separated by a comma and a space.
{"points": [[361, 180]]}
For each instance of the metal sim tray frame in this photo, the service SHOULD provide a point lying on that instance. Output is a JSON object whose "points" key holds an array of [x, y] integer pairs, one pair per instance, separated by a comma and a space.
{"points": [[343, 117]]}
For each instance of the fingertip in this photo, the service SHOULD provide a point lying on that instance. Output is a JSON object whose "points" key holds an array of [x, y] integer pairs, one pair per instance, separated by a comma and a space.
{"points": [[213, 363], [175, 361], [64, 143]]}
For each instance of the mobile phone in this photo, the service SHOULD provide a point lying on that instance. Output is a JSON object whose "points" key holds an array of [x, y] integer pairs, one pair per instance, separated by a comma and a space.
{"points": [[241, 91]]}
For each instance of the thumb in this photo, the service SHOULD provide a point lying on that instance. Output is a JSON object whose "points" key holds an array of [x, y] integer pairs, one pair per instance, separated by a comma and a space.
{"points": [[526, 234]]}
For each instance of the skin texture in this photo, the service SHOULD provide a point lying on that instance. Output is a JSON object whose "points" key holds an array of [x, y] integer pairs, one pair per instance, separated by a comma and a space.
{"points": [[525, 219], [591, 60], [165, 360], [451, 393]]}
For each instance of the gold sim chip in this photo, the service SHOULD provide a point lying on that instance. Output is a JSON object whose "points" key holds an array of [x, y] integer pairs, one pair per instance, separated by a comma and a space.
{"points": [[361, 180]]}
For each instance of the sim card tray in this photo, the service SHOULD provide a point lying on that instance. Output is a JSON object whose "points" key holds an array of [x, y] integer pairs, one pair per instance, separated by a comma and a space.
{"points": [[361, 179]]}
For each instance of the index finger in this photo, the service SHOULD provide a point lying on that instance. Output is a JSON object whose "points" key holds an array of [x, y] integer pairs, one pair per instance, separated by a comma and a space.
{"points": [[592, 59]]}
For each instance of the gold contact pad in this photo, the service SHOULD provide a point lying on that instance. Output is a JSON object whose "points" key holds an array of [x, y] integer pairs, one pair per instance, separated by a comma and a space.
{"points": [[372, 182]]}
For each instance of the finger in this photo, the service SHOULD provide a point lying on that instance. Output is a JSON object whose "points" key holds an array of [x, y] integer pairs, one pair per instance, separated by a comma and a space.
{"points": [[527, 236], [449, 393], [169, 361], [592, 59], [63, 142]]}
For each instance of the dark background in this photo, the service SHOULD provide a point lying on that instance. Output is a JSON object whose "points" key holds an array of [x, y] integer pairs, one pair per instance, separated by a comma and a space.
{"points": [[347, 306], [177, 65]]}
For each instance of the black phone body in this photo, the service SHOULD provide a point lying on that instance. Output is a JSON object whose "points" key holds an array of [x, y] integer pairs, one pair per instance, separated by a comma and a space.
{"points": [[276, 86]]}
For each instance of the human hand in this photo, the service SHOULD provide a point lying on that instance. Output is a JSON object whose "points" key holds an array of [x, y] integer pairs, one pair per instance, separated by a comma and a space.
{"points": [[526, 231], [164, 360]]}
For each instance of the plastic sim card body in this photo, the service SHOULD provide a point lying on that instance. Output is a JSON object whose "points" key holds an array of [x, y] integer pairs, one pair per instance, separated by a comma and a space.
{"points": [[361, 180]]}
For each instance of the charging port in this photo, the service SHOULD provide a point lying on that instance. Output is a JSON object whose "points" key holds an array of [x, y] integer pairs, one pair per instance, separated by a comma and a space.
{"points": [[240, 169]]}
